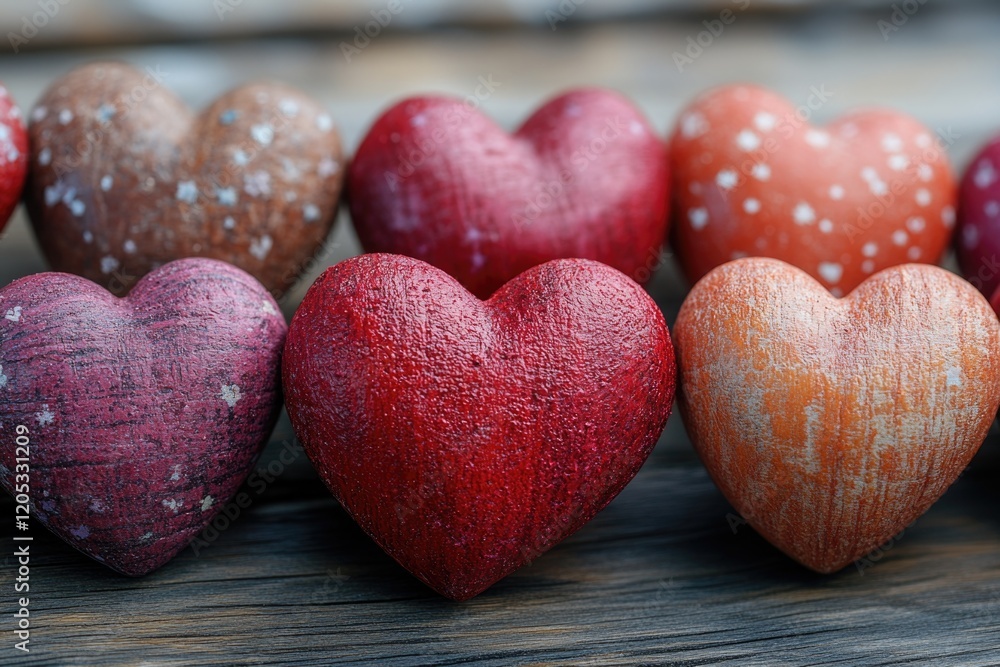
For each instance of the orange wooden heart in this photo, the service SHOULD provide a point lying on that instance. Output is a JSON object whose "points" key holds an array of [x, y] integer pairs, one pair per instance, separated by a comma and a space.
{"points": [[831, 424]]}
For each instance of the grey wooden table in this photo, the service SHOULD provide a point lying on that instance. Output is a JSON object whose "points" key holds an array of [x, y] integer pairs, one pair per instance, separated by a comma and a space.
{"points": [[664, 575]]}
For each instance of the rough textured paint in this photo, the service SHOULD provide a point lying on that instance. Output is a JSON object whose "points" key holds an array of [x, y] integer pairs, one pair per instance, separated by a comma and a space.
{"points": [[585, 176], [977, 241], [13, 156], [871, 190], [145, 413], [124, 178], [469, 437], [831, 424]]}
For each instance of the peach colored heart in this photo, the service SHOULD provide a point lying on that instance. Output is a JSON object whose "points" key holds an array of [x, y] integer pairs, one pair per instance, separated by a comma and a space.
{"points": [[831, 424]]}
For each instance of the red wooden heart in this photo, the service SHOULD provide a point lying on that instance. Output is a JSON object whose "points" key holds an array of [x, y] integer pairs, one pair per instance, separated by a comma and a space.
{"points": [[469, 437], [585, 176], [977, 243], [13, 156], [125, 179], [752, 178], [829, 424], [145, 414]]}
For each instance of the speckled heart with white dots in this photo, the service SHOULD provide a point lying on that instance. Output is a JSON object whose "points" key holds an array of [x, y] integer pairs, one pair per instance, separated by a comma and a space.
{"points": [[144, 414], [752, 177], [124, 178]]}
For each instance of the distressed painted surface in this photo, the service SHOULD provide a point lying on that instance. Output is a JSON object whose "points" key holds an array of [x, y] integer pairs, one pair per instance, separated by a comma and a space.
{"points": [[467, 437], [13, 155], [145, 413], [125, 178], [585, 176], [831, 424], [871, 190], [977, 242]]}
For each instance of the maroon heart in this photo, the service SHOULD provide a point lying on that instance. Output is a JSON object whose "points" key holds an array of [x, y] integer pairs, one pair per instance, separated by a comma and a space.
{"points": [[585, 176], [144, 414], [13, 156], [469, 437]]}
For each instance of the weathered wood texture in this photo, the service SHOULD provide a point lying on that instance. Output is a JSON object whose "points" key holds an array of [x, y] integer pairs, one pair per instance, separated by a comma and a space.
{"points": [[659, 577]]}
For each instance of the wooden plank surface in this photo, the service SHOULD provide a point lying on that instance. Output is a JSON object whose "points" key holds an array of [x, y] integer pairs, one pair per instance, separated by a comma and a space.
{"points": [[660, 577]]}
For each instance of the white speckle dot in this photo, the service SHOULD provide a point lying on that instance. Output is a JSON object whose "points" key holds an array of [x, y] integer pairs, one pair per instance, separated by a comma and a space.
{"points": [[45, 417], [65, 116], [892, 143], [869, 174], [240, 157], [727, 179], [986, 174], [817, 138], [109, 264], [262, 134], [146, 537], [948, 216], [173, 504], [13, 314], [836, 192], [831, 272], [970, 237], [187, 191], [228, 117], [3, 378], [176, 474], [761, 172], [229, 222], [327, 167], [45, 156], [925, 172], [637, 128], [747, 140], [751, 205], [260, 247], [825, 226], [106, 183], [899, 237], [257, 184], [39, 113], [80, 532], [868, 266], [77, 207], [268, 308], [898, 162], [878, 188], [231, 394], [804, 214], [869, 249], [324, 122], [129, 246], [923, 197], [105, 113], [991, 209], [953, 377], [310, 212], [913, 254], [698, 218], [206, 503], [226, 196], [88, 236], [418, 120], [693, 125], [289, 107], [916, 225], [764, 121], [478, 260], [923, 140]]}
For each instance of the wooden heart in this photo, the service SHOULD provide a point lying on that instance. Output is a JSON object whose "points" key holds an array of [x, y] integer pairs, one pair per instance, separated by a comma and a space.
{"points": [[124, 178], [831, 424]]}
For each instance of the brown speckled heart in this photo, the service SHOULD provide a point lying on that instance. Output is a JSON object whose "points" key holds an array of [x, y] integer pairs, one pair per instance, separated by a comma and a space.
{"points": [[124, 178]]}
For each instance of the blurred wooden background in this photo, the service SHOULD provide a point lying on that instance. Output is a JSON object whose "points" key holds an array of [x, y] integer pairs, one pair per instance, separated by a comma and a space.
{"points": [[663, 576]]}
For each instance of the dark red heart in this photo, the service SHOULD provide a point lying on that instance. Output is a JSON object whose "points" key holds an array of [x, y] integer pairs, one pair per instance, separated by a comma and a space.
{"points": [[585, 176], [468, 437], [977, 242], [13, 156], [145, 414]]}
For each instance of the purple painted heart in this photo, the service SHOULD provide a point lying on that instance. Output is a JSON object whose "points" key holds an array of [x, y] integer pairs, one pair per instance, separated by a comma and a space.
{"points": [[124, 178], [144, 414]]}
